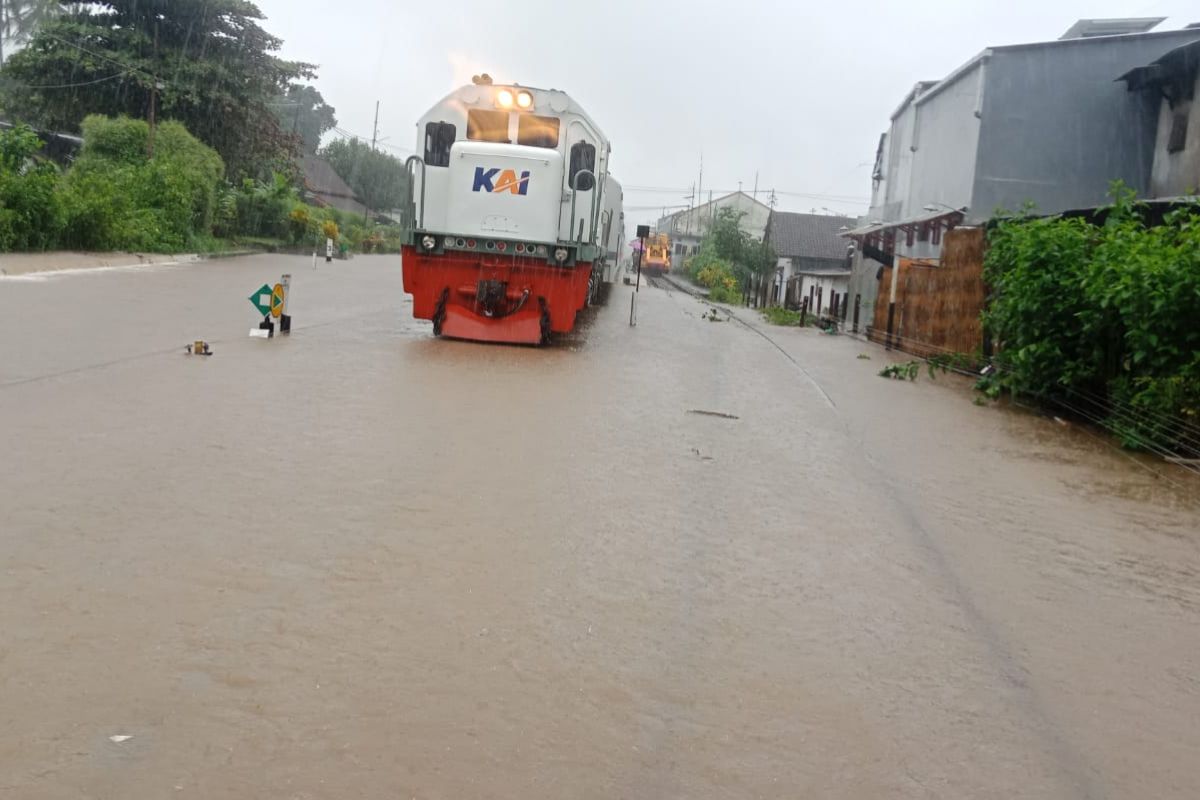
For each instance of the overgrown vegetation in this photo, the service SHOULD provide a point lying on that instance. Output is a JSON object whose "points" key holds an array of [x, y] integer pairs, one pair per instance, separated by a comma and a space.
{"points": [[1102, 320], [378, 179], [205, 63], [906, 371], [728, 258], [116, 197], [778, 315]]}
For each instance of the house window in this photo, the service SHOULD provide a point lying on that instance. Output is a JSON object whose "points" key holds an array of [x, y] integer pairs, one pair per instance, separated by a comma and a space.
{"points": [[1179, 127], [537, 131], [583, 156], [439, 137], [488, 126]]}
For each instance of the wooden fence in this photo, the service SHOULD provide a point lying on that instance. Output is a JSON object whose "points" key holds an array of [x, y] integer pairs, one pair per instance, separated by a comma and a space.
{"points": [[938, 303]]}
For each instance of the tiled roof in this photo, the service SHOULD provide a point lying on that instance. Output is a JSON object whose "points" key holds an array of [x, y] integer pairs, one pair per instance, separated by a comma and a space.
{"points": [[808, 235]]}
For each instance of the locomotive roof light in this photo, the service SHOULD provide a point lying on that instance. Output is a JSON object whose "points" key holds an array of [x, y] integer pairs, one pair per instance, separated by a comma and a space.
{"points": [[428, 242], [524, 100], [504, 98], [560, 254]]}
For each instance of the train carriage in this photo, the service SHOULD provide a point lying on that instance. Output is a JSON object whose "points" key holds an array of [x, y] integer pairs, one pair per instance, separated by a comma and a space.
{"points": [[516, 219]]}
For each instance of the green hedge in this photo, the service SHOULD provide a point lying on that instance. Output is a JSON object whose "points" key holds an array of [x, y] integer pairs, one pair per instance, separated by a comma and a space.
{"points": [[1103, 320]]}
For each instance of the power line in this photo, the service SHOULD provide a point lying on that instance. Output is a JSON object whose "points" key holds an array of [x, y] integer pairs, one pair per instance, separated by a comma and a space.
{"points": [[66, 85], [839, 198], [82, 49]]}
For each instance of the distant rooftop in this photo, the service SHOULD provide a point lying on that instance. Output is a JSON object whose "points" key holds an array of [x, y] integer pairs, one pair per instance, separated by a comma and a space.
{"points": [[1089, 28]]}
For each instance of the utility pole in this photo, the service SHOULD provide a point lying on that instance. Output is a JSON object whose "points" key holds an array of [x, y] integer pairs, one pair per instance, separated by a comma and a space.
{"points": [[153, 93], [375, 132], [374, 138], [756, 185]]}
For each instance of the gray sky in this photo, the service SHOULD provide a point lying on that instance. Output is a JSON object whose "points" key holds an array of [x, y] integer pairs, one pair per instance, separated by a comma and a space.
{"points": [[797, 92]]}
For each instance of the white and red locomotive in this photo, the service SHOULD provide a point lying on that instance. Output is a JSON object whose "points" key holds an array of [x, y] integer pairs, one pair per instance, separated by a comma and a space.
{"points": [[516, 222]]}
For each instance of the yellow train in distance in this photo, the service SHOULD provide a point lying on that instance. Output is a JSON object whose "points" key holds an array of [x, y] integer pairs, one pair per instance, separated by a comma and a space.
{"points": [[658, 254]]}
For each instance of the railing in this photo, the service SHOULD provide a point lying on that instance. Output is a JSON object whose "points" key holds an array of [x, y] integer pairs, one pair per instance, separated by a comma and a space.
{"points": [[419, 222], [591, 210]]}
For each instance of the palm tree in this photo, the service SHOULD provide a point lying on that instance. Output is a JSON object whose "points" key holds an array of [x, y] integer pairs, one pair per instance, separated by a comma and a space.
{"points": [[20, 18]]}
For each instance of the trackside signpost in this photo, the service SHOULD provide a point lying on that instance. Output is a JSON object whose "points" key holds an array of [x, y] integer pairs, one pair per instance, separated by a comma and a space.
{"points": [[271, 302], [643, 231]]}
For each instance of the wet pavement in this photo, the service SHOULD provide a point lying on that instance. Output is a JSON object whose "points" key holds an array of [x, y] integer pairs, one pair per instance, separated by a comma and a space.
{"points": [[363, 562]]}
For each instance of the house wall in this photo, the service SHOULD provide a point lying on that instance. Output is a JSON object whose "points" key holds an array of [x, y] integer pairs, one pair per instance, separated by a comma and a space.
{"points": [[696, 221], [827, 284], [899, 161], [945, 143], [1058, 127], [1175, 174], [863, 284]]}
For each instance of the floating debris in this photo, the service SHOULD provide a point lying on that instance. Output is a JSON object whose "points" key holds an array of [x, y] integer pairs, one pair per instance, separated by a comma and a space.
{"points": [[720, 414]]}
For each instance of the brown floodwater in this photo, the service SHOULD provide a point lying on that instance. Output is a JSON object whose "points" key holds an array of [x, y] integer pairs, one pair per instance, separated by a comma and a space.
{"points": [[364, 562]]}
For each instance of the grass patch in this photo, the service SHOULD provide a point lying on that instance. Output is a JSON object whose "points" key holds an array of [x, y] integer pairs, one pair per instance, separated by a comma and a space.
{"points": [[777, 315]]}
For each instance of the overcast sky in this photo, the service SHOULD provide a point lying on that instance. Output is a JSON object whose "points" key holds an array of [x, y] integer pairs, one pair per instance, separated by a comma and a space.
{"points": [[795, 92]]}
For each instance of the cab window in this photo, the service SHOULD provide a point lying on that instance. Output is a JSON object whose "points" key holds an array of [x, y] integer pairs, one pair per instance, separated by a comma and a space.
{"points": [[536, 131], [487, 126], [439, 137], [583, 156]]}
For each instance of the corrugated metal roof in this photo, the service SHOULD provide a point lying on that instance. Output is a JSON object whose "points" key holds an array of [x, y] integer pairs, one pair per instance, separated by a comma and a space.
{"points": [[807, 235], [1088, 28]]}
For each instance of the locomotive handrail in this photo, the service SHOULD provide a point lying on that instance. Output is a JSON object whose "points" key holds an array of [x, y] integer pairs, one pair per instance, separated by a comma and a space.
{"points": [[591, 210], [420, 223]]}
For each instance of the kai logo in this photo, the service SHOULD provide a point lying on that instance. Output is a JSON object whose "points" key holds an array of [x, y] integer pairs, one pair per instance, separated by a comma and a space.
{"points": [[496, 180]]}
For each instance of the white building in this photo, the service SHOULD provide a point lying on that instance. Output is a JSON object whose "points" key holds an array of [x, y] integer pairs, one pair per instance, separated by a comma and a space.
{"points": [[687, 227]]}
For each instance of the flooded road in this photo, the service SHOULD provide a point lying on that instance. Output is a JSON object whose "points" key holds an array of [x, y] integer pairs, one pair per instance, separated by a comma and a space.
{"points": [[363, 562]]}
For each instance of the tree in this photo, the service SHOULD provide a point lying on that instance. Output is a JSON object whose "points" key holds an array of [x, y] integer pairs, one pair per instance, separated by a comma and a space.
{"points": [[378, 179], [304, 112], [728, 252], [19, 19], [205, 63]]}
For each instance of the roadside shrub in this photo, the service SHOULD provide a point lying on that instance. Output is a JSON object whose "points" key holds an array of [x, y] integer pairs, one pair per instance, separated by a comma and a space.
{"points": [[31, 216], [777, 315], [1103, 320], [117, 198], [264, 207]]}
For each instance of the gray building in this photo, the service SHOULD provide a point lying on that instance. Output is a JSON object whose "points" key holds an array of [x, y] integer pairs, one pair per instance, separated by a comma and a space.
{"points": [[1171, 82], [812, 256], [1046, 124], [687, 227]]}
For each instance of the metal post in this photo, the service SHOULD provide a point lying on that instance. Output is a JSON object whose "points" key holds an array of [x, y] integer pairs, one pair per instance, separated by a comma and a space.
{"points": [[891, 318], [285, 321], [857, 305], [638, 286]]}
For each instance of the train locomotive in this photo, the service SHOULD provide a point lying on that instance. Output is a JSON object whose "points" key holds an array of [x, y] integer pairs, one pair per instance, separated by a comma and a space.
{"points": [[516, 221], [658, 254]]}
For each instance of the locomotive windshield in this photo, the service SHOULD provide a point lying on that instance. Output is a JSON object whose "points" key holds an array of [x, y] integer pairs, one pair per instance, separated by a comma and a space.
{"points": [[488, 126], [536, 131]]}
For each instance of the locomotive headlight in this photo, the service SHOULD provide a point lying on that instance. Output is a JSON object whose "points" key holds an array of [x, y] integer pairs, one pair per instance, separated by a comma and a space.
{"points": [[428, 242], [504, 98], [560, 254], [524, 99]]}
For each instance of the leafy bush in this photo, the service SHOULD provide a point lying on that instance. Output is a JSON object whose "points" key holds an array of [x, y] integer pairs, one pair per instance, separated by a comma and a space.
{"points": [[1102, 319], [777, 315], [31, 215], [264, 206], [118, 198], [899, 372]]}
